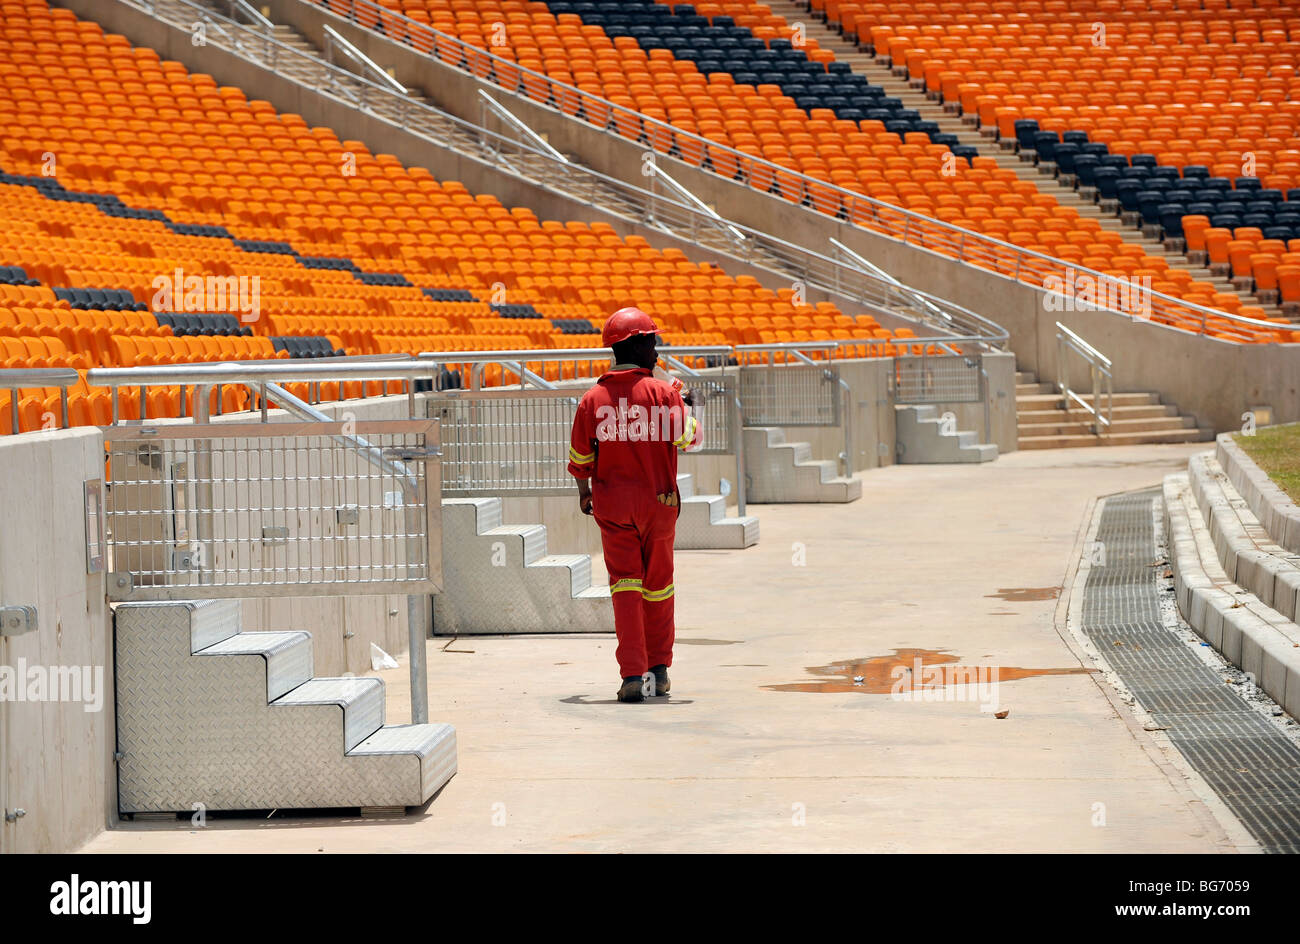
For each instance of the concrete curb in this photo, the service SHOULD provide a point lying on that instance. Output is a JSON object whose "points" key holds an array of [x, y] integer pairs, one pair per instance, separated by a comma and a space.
{"points": [[1248, 633], [1279, 515], [1249, 556]]}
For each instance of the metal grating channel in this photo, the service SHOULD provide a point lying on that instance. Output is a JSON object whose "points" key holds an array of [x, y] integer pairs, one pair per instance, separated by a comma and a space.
{"points": [[1253, 767]]}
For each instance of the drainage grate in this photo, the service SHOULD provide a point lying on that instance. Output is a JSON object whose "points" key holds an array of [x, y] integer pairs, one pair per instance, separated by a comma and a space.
{"points": [[1253, 767]]}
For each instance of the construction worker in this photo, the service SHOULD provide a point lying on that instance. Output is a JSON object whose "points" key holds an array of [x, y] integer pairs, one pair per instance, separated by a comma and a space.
{"points": [[628, 430]]}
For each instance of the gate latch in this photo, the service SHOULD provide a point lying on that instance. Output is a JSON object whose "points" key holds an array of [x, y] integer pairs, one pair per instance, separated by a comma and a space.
{"points": [[411, 454]]}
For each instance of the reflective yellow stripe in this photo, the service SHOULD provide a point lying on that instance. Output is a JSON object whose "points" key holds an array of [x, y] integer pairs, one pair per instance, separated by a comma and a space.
{"points": [[688, 435], [656, 596], [579, 458], [627, 583]]}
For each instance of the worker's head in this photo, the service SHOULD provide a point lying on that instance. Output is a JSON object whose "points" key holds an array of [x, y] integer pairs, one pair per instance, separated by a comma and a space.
{"points": [[630, 333]]}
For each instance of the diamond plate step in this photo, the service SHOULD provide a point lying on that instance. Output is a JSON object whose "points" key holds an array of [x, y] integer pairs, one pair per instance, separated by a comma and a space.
{"points": [[362, 701], [779, 472], [703, 522], [922, 439], [499, 579], [433, 746], [287, 655], [241, 725]]}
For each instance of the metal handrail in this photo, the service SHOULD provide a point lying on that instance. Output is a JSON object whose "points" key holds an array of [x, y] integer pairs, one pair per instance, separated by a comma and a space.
{"points": [[1099, 369], [251, 12], [516, 122], [916, 225], [25, 378], [357, 56], [1087, 349], [682, 191], [805, 264]]}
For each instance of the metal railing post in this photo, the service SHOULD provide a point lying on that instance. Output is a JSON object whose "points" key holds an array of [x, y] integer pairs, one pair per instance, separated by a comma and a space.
{"points": [[738, 419]]}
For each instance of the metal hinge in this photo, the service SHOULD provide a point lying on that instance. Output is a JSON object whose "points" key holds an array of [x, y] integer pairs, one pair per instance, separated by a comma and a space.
{"points": [[16, 620]]}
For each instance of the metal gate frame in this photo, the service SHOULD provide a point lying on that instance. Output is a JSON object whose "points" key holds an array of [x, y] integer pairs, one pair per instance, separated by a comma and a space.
{"points": [[785, 397], [475, 465], [195, 504]]}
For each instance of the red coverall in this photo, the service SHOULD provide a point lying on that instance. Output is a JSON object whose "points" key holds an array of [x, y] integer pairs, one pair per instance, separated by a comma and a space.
{"points": [[626, 435]]}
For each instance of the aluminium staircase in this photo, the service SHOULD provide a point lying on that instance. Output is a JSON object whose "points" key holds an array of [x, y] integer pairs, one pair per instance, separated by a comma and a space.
{"points": [[703, 522], [213, 718], [923, 437], [780, 472]]}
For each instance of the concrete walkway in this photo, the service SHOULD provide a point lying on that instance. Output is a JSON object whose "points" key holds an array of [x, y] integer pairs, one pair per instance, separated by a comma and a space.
{"points": [[961, 562]]}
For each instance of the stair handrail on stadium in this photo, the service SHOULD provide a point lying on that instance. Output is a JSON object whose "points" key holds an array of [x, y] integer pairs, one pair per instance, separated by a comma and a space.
{"points": [[1099, 373], [20, 378], [667, 214], [334, 40], [917, 229]]}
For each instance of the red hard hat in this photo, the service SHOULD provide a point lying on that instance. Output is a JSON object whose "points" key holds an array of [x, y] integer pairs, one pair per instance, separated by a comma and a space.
{"points": [[624, 323]]}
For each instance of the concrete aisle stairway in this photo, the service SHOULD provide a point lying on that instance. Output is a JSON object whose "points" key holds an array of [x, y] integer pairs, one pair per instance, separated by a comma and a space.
{"points": [[704, 524], [207, 714], [781, 472], [898, 86], [1138, 418], [499, 578]]}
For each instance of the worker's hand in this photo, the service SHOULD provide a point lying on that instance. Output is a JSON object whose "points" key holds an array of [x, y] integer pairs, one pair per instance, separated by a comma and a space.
{"points": [[584, 502], [688, 397]]}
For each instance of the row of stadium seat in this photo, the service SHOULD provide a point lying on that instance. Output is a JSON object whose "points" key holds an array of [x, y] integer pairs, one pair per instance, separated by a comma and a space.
{"points": [[1178, 111], [123, 176], [906, 168]]}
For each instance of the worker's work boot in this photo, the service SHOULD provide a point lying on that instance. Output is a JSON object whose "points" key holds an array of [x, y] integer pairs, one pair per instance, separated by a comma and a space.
{"points": [[660, 673], [631, 689]]}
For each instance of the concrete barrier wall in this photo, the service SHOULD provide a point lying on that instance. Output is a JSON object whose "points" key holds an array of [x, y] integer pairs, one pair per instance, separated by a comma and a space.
{"points": [[56, 757], [1214, 381]]}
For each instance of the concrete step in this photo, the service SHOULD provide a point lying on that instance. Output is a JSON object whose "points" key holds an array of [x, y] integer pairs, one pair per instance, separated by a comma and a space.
{"points": [[1079, 426], [500, 579], [1117, 439], [1048, 400], [1149, 411], [780, 472]]}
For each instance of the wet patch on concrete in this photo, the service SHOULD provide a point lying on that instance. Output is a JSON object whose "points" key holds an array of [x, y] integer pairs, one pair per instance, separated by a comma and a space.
{"points": [[909, 672], [1025, 594]]}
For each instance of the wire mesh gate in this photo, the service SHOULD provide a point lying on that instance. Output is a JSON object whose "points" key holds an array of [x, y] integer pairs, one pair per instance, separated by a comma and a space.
{"points": [[942, 378], [280, 509], [790, 395], [501, 443]]}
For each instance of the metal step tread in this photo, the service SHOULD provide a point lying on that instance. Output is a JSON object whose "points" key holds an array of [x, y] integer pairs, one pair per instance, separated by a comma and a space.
{"points": [[421, 739], [361, 700], [255, 643]]}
